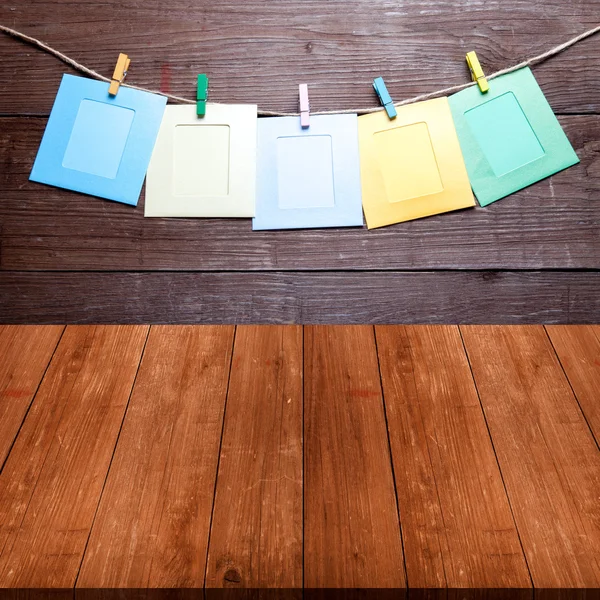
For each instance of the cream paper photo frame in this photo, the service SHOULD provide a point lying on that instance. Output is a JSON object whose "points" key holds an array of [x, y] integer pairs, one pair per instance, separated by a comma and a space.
{"points": [[204, 166]]}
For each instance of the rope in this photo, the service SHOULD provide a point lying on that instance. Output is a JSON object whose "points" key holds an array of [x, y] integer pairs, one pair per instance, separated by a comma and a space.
{"points": [[269, 113]]}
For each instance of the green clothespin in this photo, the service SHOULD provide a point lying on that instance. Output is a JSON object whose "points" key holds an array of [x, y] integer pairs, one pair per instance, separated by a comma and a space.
{"points": [[202, 95]]}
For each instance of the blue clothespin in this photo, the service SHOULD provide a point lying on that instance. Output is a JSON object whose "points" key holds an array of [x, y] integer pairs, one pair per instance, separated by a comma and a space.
{"points": [[384, 97]]}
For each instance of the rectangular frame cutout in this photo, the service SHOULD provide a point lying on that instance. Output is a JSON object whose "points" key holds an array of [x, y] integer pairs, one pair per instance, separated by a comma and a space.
{"points": [[504, 134], [305, 172], [407, 162], [94, 147], [201, 158]]}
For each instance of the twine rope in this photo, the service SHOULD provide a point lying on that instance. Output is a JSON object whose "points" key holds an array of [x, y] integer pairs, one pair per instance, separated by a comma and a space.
{"points": [[270, 113]]}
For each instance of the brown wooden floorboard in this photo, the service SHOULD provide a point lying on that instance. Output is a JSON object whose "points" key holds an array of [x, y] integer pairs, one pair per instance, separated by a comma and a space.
{"points": [[351, 527], [337, 470], [26, 353], [457, 525], [256, 533], [547, 454], [52, 480], [578, 348], [152, 526]]}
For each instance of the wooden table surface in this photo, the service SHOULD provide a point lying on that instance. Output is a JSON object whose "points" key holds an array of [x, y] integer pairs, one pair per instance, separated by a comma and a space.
{"points": [[532, 257], [355, 458]]}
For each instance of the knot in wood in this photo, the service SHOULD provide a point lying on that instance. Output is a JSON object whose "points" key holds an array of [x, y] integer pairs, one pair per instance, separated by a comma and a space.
{"points": [[232, 576]]}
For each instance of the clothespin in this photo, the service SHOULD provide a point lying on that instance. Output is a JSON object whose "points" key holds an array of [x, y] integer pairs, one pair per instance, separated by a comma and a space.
{"points": [[384, 97], [477, 72], [119, 74], [202, 95], [304, 106]]}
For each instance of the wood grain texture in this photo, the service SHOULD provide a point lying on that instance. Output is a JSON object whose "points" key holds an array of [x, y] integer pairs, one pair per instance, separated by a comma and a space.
{"points": [[458, 539], [578, 349], [26, 353], [457, 526], [441, 297], [548, 457], [258, 50], [552, 224], [51, 483], [351, 527], [152, 526], [256, 533]]}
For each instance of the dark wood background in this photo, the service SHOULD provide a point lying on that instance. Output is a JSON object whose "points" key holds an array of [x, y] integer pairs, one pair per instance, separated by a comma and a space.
{"points": [[65, 257]]}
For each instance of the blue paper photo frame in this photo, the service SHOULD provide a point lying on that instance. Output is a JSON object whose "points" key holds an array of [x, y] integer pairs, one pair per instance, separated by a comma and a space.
{"points": [[99, 144], [308, 178]]}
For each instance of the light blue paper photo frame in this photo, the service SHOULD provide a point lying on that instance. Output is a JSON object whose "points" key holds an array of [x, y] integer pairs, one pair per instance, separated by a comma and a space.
{"points": [[308, 178], [99, 144]]}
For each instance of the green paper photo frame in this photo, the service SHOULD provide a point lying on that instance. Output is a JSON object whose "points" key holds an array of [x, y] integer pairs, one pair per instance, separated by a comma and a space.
{"points": [[509, 136]]}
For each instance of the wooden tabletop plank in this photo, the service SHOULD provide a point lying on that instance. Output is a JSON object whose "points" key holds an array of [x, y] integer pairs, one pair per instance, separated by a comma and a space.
{"points": [[243, 298], [548, 458], [53, 478], [552, 224], [457, 526], [153, 521], [547, 455], [256, 533], [257, 51], [26, 353], [351, 527], [578, 349]]}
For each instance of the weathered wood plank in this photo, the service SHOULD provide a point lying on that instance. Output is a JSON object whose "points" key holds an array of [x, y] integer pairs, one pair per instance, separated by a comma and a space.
{"points": [[153, 521], [256, 533], [457, 526], [258, 50], [552, 224], [26, 353], [547, 455], [578, 349], [428, 297], [351, 527], [51, 483]]}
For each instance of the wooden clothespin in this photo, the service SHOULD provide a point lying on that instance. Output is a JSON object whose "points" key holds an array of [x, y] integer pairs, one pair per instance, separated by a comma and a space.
{"points": [[384, 97], [304, 106], [119, 74], [477, 72], [202, 95]]}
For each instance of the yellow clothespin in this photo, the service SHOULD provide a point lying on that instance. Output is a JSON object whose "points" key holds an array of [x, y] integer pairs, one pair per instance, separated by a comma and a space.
{"points": [[121, 69], [477, 72]]}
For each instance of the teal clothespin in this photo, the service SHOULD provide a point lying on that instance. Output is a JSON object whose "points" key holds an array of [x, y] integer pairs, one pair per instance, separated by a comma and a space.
{"points": [[202, 95], [384, 97]]}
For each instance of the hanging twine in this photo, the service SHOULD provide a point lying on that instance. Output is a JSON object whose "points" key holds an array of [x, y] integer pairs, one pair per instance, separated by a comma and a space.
{"points": [[270, 113]]}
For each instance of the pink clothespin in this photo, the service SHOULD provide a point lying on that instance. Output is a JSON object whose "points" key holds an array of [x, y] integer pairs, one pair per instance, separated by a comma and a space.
{"points": [[304, 106]]}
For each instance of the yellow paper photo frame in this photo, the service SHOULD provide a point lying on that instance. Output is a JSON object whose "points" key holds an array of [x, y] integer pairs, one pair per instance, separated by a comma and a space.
{"points": [[411, 166]]}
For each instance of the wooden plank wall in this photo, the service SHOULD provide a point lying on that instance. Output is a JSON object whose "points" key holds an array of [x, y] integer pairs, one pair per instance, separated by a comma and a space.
{"points": [[65, 257]]}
